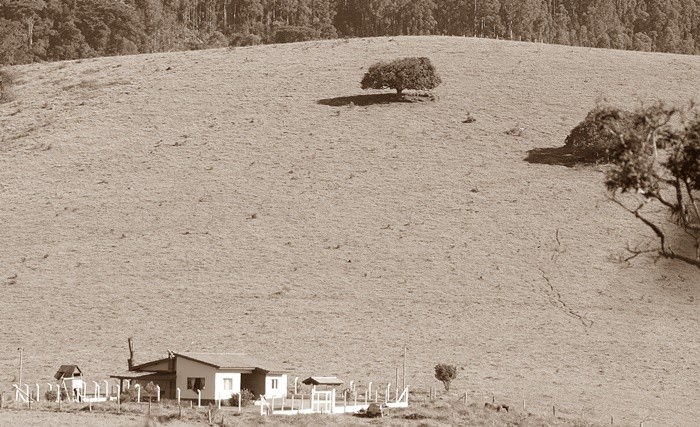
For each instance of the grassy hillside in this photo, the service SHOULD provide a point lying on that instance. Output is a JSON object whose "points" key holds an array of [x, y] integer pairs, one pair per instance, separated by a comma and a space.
{"points": [[206, 201]]}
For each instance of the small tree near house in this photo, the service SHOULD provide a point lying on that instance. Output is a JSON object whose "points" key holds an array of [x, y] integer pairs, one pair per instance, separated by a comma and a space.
{"points": [[150, 390], [445, 373], [405, 73], [245, 395]]}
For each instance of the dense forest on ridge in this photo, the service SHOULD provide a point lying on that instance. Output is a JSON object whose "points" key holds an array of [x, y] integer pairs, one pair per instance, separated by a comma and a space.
{"points": [[47, 30]]}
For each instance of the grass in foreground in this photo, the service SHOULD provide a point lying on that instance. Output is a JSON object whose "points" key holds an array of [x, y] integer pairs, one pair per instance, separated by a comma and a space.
{"points": [[437, 413]]}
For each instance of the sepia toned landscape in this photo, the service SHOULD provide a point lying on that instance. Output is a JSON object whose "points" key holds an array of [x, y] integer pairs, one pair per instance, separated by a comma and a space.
{"points": [[257, 200]]}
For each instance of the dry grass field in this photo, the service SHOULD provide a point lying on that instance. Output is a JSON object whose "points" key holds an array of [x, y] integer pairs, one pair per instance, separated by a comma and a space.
{"points": [[207, 201]]}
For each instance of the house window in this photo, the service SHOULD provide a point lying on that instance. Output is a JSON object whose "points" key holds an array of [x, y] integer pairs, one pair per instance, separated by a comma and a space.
{"points": [[228, 383], [274, 384], [195, 383]]}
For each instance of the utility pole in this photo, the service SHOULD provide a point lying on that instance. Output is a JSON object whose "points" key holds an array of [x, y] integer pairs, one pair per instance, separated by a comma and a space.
{"points": [[404, 367], [20, 366]]}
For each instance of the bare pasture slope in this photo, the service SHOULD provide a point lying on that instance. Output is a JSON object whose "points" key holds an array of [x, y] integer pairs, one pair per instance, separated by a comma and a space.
{"points": [[205, 201]]}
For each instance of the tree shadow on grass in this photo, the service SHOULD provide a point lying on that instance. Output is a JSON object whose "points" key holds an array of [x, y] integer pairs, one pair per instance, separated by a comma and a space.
{"points": [[372, 99], [562, 156]]}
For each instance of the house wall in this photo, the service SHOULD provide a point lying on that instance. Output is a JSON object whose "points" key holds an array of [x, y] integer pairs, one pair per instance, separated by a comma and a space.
{"points": [[189, 368], [254, 382], [219, 383], [281, 389], [160, 366]]}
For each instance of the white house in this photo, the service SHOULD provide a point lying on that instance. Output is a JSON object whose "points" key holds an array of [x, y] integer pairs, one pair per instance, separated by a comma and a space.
{"points": [[217, 375]]}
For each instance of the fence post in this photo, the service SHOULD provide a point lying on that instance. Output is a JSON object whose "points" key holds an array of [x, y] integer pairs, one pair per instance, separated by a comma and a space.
{"points": [[369, 390], [177, 393], [333, 401], [97, 389], [58, 394], [37, 393], [386, 396], [296, 380], [240, 397], [138, 392], [199, 398], [524, 408], [157, 393], [554, 411], [376, 396], [106, 390]]}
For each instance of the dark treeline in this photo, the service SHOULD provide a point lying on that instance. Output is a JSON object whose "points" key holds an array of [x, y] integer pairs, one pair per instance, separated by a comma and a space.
{"points": [[40, 30]]}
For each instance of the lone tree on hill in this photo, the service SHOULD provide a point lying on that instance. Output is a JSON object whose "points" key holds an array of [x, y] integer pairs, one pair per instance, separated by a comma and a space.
{"points": [[655, 159], [445, 373], [589, 142], [400, 74]]}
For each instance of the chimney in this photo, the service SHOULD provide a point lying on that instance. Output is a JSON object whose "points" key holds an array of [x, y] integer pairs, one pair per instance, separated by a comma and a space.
{"points": [[131, 353], [171, 360]]}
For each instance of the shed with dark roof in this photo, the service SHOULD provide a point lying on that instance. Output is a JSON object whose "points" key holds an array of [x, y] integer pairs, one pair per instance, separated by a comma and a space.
{"points": [[68, 371], [332, 381]]}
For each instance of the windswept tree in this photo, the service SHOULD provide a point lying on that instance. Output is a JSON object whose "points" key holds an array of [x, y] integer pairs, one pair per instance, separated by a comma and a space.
{"points": [[400, 74], [655, 175]]}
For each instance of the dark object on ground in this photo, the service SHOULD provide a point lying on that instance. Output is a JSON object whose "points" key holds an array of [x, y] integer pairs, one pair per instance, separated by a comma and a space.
{"points": [[496, 406], [375, 410], [515, 131], [469, 119], [415, 416]]}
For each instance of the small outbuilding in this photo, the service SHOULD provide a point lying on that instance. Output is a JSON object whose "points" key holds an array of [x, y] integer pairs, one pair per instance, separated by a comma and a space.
{"points": [[324, 381], [71, 378]]}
